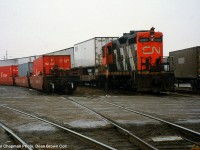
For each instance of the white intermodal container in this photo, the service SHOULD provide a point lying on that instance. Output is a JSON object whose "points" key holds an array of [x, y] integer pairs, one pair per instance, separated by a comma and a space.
{"points": [[89, 53], [25, 60], [8, 62]]}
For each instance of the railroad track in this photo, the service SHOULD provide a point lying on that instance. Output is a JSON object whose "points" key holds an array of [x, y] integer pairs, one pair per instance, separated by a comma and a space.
{"points": [[90, 143], [122, 91], [178, 137], [185, 93], [101, 130], [19, 143], [133, 138]]}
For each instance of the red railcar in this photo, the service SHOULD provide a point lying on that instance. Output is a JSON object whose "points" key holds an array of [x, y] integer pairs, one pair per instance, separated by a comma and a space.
{"points": [[7, 74], [36, 82], [51, 73], [46, 63], [22, 81], [7, 81], [8, 71]]}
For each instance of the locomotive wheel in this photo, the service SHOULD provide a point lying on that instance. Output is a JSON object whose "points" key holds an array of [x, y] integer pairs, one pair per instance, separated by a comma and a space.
{"points": [[194, 85], [49, 89], [69, 89]]}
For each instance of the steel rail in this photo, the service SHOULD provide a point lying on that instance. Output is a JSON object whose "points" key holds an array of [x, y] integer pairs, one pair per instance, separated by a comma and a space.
{"points": [[192, 133], [74, 133], [136, 140], [183, 93], [25, 145]]}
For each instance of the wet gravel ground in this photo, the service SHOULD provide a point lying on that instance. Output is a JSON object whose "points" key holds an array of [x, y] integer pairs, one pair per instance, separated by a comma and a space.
{"points": [[38, 134], [5, 140], [180, 109], [143, 127]]}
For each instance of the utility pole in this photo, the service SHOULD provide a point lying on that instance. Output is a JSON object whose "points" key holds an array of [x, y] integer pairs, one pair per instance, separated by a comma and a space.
{"points": [[6, 55]]}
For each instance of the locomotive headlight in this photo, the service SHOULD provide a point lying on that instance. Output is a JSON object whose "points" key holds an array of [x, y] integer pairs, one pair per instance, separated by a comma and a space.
{"points": [[152, 36]]}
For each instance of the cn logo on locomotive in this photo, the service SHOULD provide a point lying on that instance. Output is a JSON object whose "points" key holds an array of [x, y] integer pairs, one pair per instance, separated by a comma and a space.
{"points": [[150, 50]]}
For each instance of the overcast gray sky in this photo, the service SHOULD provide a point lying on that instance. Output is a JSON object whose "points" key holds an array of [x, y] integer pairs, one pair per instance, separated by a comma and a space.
{"points": [[33, 27]]}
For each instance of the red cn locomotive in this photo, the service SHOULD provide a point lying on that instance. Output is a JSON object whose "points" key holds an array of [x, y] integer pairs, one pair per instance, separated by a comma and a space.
{"points": [[136, 60]]}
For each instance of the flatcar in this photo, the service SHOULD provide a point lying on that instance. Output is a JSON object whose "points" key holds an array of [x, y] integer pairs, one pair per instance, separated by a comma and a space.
{"points": [[47, 73]]}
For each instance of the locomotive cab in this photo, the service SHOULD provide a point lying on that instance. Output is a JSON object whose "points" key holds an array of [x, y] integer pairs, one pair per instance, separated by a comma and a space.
{"points": [[151, 75], [150, 51]]}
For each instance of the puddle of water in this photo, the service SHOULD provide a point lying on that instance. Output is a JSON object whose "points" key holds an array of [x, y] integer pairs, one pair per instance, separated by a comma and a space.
{"points": [[87, 124], [189, 121], [183, 85], [35, 127], [166, 138], [137, 122]]}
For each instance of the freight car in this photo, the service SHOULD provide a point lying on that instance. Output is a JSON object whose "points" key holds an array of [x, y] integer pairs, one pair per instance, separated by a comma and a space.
{"points": [[51, 73], [66, 51], [186, 64], [25, 70], [134, 60], [47, 73], [7, 74], [88, 57]]}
